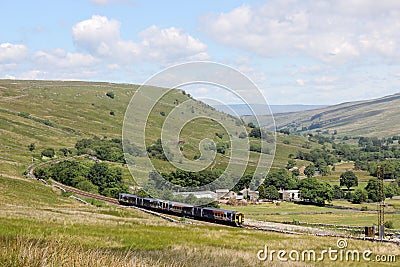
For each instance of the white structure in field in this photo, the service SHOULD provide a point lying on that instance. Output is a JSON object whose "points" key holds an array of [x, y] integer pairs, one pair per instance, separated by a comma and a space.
{"points": [[289, 195]]}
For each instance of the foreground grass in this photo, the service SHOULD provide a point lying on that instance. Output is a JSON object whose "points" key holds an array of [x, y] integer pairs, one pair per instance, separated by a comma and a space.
{"points": [[52, 230]]}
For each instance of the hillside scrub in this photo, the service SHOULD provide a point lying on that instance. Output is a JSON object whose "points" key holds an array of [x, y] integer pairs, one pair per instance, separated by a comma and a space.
{"points": [[95, 178]]}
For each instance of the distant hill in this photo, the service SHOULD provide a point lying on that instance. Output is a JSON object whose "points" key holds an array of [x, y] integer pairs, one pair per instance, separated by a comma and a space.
{"points": [[243, 109], [376, 117]]}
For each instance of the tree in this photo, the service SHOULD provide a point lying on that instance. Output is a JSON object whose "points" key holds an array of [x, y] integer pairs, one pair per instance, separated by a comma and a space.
{"points": [[87, 186], [261, 191], [324, 170], [291, 163], [251, 125], [64, 151], [222, 147], [280, 178], [315, 191], [271, 192], [337, 192], [31, 147], [48, 152], [255, 132], [309, 171], [373, 190], [359, 196], [295, 173], [348, 179]]}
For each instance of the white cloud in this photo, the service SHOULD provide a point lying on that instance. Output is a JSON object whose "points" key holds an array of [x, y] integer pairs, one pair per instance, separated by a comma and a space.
{"points": [[101, 37], [58, 58], [12, 52], [331, 31], [172, 44]]}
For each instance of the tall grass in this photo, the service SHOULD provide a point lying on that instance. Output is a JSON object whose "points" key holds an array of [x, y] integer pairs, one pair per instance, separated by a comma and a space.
{"points": [[20, 251]]}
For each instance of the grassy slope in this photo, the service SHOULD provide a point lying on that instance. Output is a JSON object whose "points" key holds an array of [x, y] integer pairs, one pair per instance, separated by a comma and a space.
{"points": [[80, 110], [55, 230], [376, 117]]}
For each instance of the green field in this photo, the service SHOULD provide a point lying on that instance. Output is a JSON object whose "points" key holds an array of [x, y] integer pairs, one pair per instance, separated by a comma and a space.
{"points": [[289, 212], [53, 230]]}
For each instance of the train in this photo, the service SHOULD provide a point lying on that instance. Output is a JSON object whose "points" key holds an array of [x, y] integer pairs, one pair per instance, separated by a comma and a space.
{"points": [[216, 215]]}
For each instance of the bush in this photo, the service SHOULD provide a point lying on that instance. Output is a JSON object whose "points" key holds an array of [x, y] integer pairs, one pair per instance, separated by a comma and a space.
{"points": [[110, 95], [31, 147], [286, 142], [389, 224], [24, 115], [87, 186], [48, 152], [255, 147], [359, 196], [222, 147]]}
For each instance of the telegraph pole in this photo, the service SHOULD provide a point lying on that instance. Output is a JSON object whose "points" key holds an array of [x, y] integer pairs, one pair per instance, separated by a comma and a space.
{"points": [[380, 173]]}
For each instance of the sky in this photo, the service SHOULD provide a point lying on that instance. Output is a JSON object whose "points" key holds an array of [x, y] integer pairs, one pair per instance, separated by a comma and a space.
{"points": [[296, 52]]}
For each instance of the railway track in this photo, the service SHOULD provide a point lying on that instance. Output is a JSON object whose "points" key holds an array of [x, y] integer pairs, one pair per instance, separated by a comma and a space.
{"points": [[86, 194]]}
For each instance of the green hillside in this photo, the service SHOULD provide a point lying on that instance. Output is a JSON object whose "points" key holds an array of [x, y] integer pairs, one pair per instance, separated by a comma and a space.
{"points": [[377, 117], [55, 114]]}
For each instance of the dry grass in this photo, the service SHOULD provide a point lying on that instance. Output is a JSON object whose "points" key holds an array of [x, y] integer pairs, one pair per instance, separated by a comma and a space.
{"points": [[21, 251]]}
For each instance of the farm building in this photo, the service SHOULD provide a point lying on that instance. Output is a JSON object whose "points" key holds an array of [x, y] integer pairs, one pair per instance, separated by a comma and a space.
{"points": [[289, 195]]}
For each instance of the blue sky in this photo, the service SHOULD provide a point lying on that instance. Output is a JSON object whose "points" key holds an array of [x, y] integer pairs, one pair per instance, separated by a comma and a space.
{"points": [[308, 52]]}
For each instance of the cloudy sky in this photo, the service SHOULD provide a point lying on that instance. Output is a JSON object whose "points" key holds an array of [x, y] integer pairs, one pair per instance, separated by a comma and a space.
{"points": [[309, 52]]}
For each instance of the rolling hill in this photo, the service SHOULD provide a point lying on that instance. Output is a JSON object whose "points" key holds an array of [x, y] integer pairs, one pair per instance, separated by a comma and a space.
{"points": [[58, 113], [376, 117]]}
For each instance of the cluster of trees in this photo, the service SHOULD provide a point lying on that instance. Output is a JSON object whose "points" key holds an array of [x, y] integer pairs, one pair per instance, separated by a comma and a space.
{"points": [[258, 133], [321, 159], [208, 179], [156, 151], [318, 192], [310, 188], [391, 168], [95, 178], [191, 179], [104, 149]]}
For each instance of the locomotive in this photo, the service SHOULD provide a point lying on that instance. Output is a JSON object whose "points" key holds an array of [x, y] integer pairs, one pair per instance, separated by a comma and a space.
{"points": [[182, 209]]}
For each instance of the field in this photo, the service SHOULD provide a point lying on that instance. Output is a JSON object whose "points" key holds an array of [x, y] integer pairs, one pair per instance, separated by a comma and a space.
{"points": [[53, 230], [290, 212]]}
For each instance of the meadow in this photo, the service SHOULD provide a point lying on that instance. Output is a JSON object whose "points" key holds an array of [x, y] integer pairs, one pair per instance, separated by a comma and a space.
{"points": [[291, 212], [53, 230]]}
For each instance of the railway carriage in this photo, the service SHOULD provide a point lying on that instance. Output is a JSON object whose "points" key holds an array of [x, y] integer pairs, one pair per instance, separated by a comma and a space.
{"points": [[183, 209]]}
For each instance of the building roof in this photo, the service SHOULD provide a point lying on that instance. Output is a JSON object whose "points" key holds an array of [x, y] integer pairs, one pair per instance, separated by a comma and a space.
{"points": [[198, 194], [222, 191], [289, 191]]}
